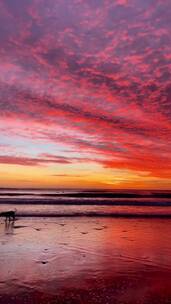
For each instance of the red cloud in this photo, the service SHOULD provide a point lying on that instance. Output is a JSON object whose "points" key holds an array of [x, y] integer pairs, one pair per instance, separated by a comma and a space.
{"points": [[28, 161]]}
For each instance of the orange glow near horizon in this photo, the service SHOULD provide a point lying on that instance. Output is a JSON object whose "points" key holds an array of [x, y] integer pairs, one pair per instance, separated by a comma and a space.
{"points": [[60, 177]]}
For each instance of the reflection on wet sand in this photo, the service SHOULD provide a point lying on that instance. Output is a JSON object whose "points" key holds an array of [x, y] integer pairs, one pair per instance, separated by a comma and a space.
{"points": [[85, 260], [9, 227]]}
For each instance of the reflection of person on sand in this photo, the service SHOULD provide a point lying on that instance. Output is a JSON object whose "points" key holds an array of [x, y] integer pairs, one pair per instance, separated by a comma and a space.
{"points": [[9, 227], [9, 215]]}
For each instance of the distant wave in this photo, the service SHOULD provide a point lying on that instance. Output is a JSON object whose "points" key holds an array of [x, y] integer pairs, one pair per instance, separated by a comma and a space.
{"points": [[96, 214], [89, 201], [85, 194]]}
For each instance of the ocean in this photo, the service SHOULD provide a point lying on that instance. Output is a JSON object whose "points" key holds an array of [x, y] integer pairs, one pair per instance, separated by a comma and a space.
{"points": [[43, 202]]}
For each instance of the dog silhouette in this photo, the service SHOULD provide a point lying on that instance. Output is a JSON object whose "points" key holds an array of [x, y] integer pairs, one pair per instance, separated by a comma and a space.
{"points": [[9, 215]]}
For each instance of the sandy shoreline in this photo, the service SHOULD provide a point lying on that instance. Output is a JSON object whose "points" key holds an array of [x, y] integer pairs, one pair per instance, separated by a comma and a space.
{"points": [[85, 260]]}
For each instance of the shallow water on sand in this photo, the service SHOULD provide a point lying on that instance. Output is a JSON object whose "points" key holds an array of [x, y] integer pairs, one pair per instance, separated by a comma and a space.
{"points": [[85, 260], [82, 210]]}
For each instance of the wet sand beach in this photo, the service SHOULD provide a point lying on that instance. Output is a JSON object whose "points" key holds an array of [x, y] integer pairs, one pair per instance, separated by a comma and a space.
{"points": [[85, 260]]}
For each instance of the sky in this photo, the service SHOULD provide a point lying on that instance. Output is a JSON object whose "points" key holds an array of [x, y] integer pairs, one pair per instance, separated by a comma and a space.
{"points": [[85, 94]]}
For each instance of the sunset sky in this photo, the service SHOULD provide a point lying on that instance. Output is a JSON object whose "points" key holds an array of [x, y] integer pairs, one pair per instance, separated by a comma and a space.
{"points": [[85, 94]]}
